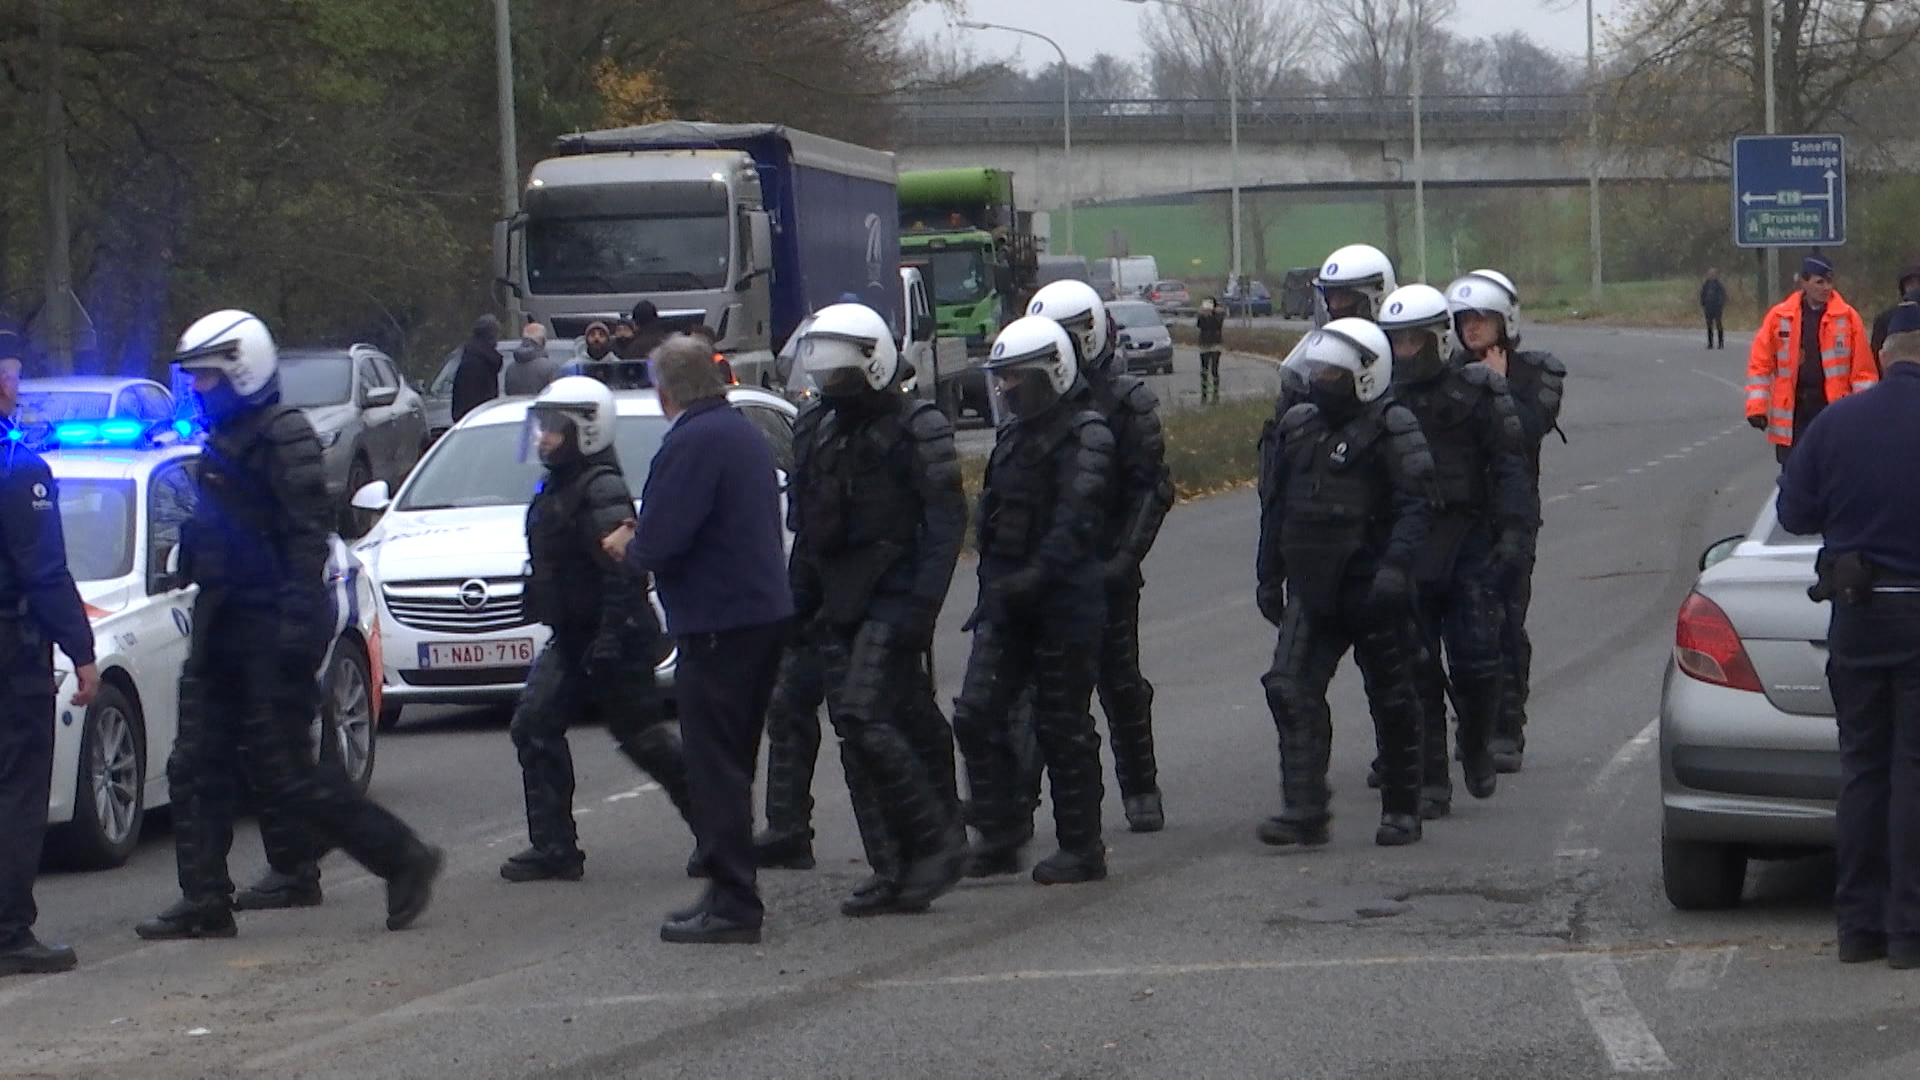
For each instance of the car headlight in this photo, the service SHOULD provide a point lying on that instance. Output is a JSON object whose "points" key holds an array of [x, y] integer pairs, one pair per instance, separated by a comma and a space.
{"points": [[328, 439]]}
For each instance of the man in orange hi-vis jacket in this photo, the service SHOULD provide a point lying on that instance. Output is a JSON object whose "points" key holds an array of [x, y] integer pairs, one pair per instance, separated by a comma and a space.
{"points": [[1811, 349]]}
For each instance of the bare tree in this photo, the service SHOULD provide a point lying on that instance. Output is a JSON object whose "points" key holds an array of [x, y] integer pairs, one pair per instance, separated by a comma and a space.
{"points": [[1371, 43], [1189, 53]]}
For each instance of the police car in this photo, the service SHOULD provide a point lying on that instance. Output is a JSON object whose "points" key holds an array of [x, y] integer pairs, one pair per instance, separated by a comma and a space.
{"points": [[124, 488]]}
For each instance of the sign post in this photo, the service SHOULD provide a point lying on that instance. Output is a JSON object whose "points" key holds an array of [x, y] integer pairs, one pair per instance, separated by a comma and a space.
{"points": [[1789, 191]]}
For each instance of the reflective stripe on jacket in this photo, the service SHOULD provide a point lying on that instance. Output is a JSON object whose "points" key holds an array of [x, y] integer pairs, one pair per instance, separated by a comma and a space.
{"points": [[1773, 364]]}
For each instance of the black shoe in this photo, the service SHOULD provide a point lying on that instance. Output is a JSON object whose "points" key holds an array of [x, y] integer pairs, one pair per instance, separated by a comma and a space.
{"points": [[277, 890], [532, 865], [688, 912], [1435, 802], [1397, 830], [991, 861], [1861, 950], [707, 928], [878, 896], [783, 851], [1480, 775], [1903, 955], [1066, 867], [409, 892], [1144, 813], [1373, 776], [1286, 832], [190, 919], [926, 878], [1507, 755], [28, 956], [697, 867]]}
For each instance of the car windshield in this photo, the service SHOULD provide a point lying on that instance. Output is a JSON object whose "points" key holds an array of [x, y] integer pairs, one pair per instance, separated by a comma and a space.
{"points": [[316, 380], [97, 518], [1134, 315], [579, 256], [482, 466], [959, 276], [53, 406]]}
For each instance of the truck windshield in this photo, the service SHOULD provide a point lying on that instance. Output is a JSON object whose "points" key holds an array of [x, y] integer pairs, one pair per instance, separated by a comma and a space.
{"points": [[575, 256], [959, 277]]}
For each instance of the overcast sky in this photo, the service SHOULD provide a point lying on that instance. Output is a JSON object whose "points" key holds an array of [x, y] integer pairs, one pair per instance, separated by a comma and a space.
{"points": [[1087, 27]]}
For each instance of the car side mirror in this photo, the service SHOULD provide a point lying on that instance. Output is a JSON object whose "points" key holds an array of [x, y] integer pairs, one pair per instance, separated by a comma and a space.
{"points": [[1720, 551], [379, 397], [374, 496]]}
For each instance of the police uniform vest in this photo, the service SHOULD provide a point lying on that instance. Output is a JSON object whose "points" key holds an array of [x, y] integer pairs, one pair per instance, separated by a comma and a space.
{"points": [[1447, 408], [1021, 489], [1120, 400], [860, 508], [231, 545], [565, 587], [1339, 501]]}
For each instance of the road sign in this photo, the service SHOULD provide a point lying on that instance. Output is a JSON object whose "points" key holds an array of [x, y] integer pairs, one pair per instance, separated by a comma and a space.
{"points": [[1789, 190]]}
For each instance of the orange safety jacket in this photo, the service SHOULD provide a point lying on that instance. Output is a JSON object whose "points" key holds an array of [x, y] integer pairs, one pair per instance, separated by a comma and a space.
{"points": [[1773, 364]]}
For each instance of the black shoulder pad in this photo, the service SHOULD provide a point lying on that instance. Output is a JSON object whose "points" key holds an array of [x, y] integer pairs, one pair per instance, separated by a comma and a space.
{"points": [[607, 485], [925, 421], [1299, 416], [289, 425], [1482, 375], [1399, 419], [1092, 429], [1140, 397], [1545, 361]]}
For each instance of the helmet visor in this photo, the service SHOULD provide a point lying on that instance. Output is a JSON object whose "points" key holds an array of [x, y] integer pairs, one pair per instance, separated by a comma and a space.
{"points": [[838, 364], [1020, 392], [549, 433]]}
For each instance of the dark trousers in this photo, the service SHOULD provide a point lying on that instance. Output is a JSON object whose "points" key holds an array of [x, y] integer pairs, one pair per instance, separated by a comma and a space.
{"points": [[1125, 694], [793, 740], [1716, 331], [1463, 615], [1516, 653], [1210, 374], [26, 775], [723, 684], [1874, 672]]}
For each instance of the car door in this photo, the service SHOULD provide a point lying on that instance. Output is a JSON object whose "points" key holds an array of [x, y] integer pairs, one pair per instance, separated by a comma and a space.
{"points": [[172, 490], [777, 426], [377, 401], [409, 417]]}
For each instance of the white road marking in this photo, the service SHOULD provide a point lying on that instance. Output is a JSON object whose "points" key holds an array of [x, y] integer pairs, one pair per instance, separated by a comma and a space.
{"points": [[1596, 813], [633, 793], [1698, 971], [1721, 379], [1638, 471], [1622, 1031]]}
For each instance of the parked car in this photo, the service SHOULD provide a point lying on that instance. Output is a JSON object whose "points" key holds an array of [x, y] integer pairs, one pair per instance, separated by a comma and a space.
{"points": [[1749, 754], [1143, 339], [371, 424], [449, 549], [122, 501], [1169, 296], [1297, 294], [87, 397], [1257, 301]]}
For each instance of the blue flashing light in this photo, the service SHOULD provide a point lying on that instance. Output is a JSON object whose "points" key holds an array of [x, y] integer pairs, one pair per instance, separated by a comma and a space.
{"points": [[122, 432], [15, 434], [183, 428], [76, 433]]}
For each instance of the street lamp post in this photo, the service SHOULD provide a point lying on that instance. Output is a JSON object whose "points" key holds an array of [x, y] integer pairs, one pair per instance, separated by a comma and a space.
{"points": [[1593, 167], [509, 139], [1419, 155], [1233, 114], [1066, 108]]}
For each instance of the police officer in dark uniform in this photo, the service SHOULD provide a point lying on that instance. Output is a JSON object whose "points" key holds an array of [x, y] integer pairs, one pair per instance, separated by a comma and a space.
{"points": [[1041, 607], [1347, 511], [1137, 503], [1850, 480], [1486, 312], [257, 547], [600, 659], [39, 608], [1481, 534], [793, 738], [878, 516]]}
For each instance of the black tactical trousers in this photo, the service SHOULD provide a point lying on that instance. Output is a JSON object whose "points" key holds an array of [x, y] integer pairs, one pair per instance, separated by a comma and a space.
{"points": [[1006, 660], [1516, 653], [1304, 661], [561, 692], [896, 747], [1464, 614], [246, 712], [1874, 672], [26, 775], [793, 739]]}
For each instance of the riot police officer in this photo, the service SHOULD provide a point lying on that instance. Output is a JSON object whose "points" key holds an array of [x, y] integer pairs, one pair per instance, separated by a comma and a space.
{"points": [[1481, 531], [1353, 281], [1137, 502], [793, 739], [1346, 514], [1486, 315], [1041, 606], [878, 516], [257, 547], [600, 659]]}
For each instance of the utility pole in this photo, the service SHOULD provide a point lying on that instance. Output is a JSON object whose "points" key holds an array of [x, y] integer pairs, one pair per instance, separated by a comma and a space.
{"points": [[1419, 157], [1593, 168], [509, 138], [56, 323], [1066, 110], [1769, 257]]}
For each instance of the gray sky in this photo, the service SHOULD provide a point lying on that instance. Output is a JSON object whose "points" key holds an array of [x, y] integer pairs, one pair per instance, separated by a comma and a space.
{"points": [[1086, 27]]}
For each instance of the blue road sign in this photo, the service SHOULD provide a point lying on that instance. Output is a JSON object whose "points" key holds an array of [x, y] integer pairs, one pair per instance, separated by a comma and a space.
{"points": [[1789, 190]]}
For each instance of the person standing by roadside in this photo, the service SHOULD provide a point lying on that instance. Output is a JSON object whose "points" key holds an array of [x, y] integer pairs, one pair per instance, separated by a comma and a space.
{"points": [[709, 533], [1810, 351], [477, 380], [1837, 485], [1211, 323], [532, 369], [39, 608], [648, 332], [1713, 304]]}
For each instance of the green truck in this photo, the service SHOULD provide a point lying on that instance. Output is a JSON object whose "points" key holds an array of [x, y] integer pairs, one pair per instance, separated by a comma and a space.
{"points": [[981, 252]]}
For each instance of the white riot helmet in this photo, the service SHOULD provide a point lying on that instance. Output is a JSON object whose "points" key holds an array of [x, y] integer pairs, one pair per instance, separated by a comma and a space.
{"points": [[576, 406], [1346, 362], [1032, 366], [848, 348], [1488, 292], [1080, 312], [1411, 314], [1359, 268], [239, 346]]}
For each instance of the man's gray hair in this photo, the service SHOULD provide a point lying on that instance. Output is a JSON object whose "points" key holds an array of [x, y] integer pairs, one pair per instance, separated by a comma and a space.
{"points": [[684, 370]]}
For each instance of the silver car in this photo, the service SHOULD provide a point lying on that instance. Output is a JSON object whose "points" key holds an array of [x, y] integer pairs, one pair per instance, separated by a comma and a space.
{"points": [[372, 425], [1144, 343], [94, 397], [1749, 750]]}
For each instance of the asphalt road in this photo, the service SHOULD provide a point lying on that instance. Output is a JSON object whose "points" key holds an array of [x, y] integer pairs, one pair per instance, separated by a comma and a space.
{"points": [[1525, 937]]}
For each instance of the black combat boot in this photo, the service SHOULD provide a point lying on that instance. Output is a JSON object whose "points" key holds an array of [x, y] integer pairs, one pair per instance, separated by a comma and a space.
{"points": [[209, 918], [27, 956], [277, 890], [1507, 754], [1144, 813], [1065, 867], [783, 851], [409, 891], [534, 864], [1284, 831], [1397, 830]]}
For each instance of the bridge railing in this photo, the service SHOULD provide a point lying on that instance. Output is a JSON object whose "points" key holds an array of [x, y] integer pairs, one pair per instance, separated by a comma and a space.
{"points": [[924, 122]]}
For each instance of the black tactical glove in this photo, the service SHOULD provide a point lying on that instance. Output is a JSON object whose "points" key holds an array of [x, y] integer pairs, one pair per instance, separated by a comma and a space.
{"points": [[1272, 598], [1390, 590], [1757, 423]]}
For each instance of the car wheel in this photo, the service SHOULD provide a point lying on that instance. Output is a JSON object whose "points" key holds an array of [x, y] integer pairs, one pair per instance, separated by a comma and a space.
{"points": [[347, 725], [355, 522], [1702, 876], [109, 798]]}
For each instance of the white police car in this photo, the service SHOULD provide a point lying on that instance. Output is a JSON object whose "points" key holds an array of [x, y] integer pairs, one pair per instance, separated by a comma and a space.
{"points": [[123, 496]]}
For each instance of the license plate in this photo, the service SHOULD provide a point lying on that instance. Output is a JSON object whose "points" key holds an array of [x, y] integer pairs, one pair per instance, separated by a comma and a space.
{"points": [[511, 652]]}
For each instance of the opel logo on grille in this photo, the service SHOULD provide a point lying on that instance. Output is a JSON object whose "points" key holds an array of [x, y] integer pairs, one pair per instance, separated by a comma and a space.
{"points": [[473, 594]]}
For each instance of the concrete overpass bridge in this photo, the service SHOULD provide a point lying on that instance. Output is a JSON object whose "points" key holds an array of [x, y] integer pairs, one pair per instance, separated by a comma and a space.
{"points": [[1126, 150]]}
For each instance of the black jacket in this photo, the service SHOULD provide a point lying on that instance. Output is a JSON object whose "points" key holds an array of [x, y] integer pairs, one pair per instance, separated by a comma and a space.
{"points": [[477, 380], [38, 600], [1713, 296], [575, 587], [1211, 327], [1142, 489], [1042, 520]]}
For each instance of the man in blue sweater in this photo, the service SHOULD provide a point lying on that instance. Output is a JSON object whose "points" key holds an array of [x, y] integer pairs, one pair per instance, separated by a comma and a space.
{"points": [[709, 533], [1850, 480]]}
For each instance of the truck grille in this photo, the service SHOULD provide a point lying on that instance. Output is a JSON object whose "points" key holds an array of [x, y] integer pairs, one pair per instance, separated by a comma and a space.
{"points": [[470, 606]]}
